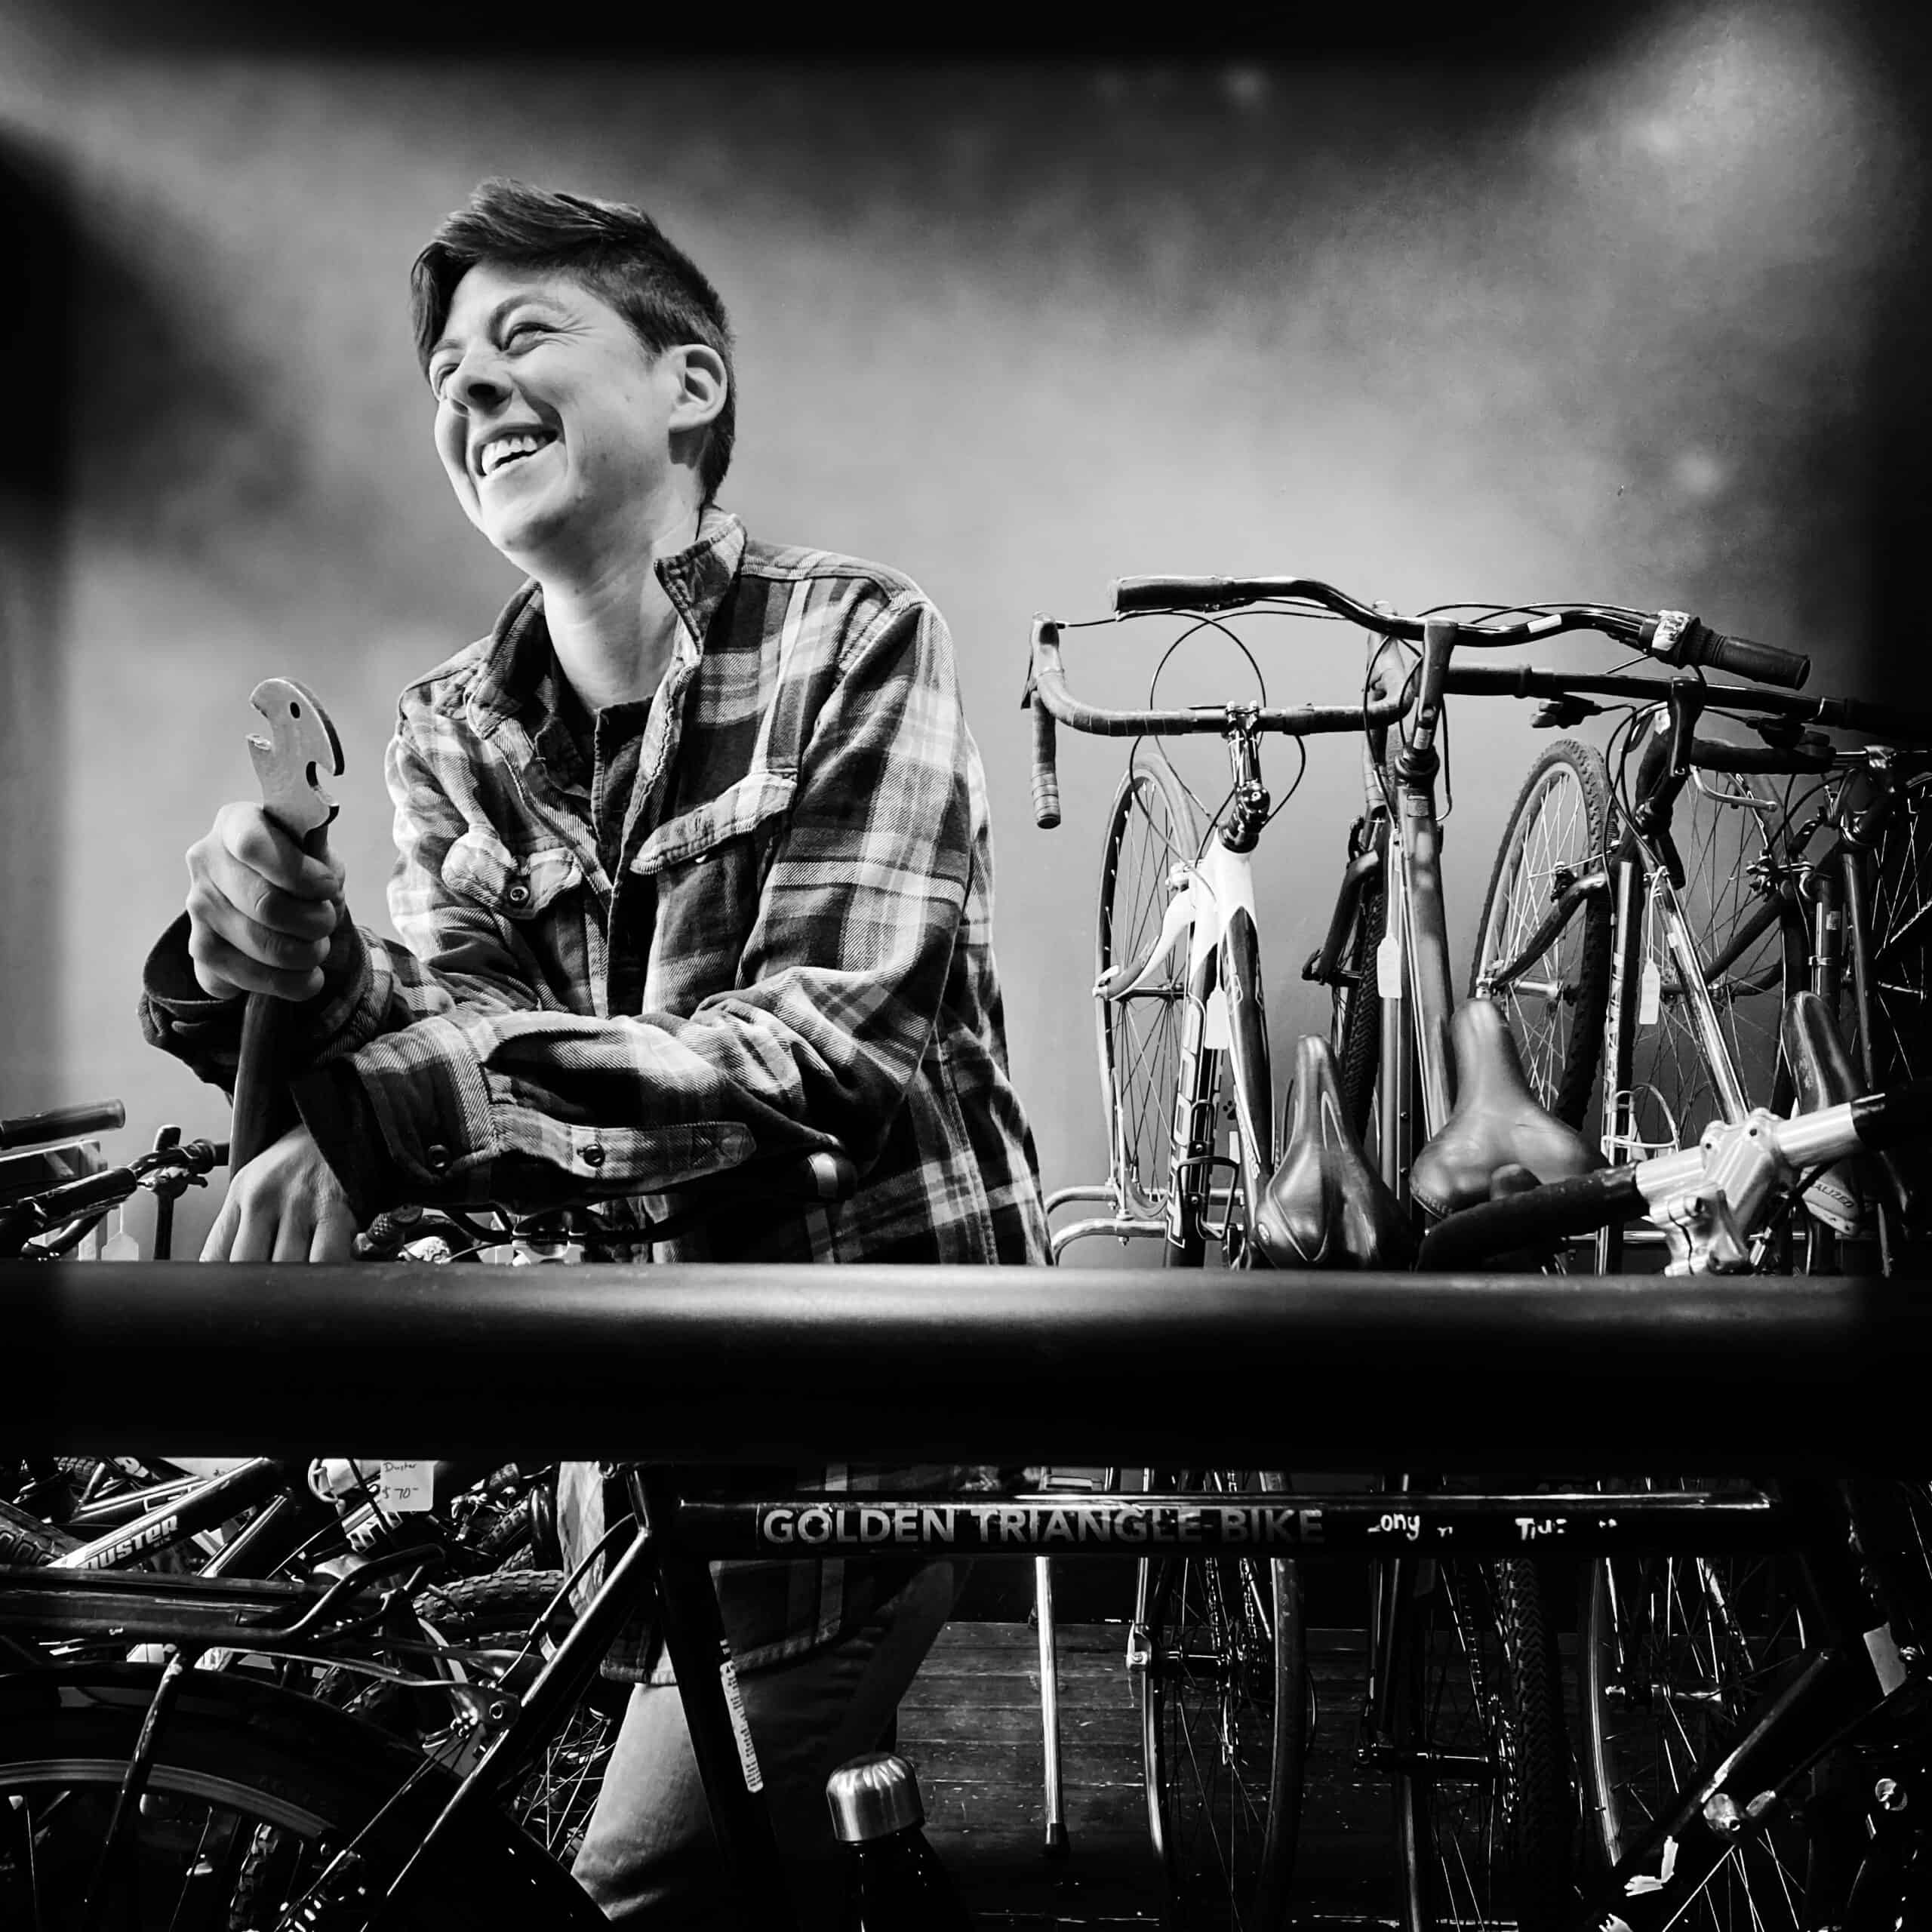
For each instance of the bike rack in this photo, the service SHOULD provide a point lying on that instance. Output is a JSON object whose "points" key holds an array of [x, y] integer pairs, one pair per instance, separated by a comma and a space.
{"points": [[726, 1364], [722, 1365]]}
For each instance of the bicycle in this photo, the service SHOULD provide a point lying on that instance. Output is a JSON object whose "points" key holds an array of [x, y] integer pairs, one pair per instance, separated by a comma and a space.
{"points": [[1216, 1646], [1389, 1070], [1597, 929]]}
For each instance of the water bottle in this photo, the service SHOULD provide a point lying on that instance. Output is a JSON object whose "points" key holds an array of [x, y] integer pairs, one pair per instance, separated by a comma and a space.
{"points": [[893, 1880]]}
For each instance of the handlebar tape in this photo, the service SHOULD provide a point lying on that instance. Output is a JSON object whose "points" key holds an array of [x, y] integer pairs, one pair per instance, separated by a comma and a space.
{"points": [[62, 1123], [1535, 1218], [1046, 733], [1046, 775]]}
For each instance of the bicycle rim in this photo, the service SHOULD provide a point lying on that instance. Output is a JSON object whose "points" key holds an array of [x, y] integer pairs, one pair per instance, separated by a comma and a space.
{"points": [[1223, 1706], [488, 1621], [1150, 828]]}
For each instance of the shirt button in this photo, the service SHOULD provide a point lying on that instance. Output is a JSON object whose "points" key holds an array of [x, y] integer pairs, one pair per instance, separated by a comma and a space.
{"points": [[436, 1158], [592, 1156], [519, 895]]}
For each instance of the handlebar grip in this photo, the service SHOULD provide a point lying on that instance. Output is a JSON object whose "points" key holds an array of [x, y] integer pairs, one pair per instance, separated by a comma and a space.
{"points": [[1535, 1218], [1888, 723], [1763, 662], [62, 1123], [1133, 594], [1046, 773], [1900, 1114]]}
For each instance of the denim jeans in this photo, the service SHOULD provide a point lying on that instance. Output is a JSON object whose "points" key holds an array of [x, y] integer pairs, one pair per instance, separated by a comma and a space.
{"points": [[649, 1857]]}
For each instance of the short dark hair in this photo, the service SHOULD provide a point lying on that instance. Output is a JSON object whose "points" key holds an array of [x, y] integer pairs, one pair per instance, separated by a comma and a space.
{"points": [[615, 251]]}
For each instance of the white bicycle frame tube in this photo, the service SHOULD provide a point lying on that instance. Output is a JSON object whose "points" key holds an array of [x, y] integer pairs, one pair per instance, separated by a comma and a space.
{"points": [[1207, 894]]}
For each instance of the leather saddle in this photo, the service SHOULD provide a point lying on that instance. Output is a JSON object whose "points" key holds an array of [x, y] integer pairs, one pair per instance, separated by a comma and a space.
{"points": [[1497, 1123], [1825, 1077], [1325, 1207]]}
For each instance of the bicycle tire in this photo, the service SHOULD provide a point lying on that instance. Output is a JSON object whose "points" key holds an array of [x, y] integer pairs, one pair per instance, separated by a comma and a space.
{"points": [[1355, 1026], [1223, 1707], [495, 1615], [26, 1541], [1557, 830], [1151, 825], [1485, 1817], [251, 1792], [1674, 1651]]}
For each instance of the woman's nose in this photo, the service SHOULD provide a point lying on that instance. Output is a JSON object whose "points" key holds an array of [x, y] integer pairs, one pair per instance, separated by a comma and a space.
{"points": [[476, 382]]}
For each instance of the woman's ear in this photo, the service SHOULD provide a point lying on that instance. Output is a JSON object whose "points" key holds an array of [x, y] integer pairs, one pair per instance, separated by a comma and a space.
{"points": [[702, 386]]}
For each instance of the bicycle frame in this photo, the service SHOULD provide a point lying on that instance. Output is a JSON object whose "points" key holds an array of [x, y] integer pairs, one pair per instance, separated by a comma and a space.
{"points": [[1417, 1075]]}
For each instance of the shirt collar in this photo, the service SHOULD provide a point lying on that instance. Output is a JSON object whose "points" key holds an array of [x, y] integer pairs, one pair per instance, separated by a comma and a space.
{"points": [[518, 668], [698, 580]]}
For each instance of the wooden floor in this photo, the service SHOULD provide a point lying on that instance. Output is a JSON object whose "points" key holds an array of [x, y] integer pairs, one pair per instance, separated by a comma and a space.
{"points": [[970, 1727]]}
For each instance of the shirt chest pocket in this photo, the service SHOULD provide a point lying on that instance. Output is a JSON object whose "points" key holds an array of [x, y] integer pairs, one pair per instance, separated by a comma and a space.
{"points": [[479, 866], [708, 864]]}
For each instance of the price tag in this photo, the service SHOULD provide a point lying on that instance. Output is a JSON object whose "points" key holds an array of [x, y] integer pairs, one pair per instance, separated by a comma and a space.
{"points": [[119, 1245], [1650, 995], [402, 1487], [1389, 967]]}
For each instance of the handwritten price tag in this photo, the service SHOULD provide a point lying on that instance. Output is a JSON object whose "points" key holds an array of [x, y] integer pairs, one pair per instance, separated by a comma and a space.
{"points": [[402, 1487]]}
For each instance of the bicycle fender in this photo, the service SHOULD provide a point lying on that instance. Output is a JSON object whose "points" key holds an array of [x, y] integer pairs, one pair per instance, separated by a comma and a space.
{"points": [[536, 1891]]}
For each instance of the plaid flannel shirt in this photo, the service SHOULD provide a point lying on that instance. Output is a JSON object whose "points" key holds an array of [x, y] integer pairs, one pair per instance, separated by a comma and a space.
{"points": [[794, 954]]}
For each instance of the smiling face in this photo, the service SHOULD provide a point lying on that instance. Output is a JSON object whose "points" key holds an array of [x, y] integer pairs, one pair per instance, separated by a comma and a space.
{"points": [[566, 440]]}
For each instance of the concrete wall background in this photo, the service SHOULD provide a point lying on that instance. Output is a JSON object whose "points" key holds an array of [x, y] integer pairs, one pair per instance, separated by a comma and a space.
{"points": [[1629, 323]]}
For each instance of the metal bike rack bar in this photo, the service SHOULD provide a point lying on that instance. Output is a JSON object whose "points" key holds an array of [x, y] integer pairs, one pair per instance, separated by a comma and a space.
{"points": [[773, 1365]]}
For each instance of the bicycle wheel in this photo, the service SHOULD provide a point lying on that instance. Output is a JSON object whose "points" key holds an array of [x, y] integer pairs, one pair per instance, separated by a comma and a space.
{"points": [[1151, 826], [249, 1798], [491, 1620], [1898, 937], [1558, 831], [1223, 1703], [1675, 1650], [1751, 950], [1485, 1816]]}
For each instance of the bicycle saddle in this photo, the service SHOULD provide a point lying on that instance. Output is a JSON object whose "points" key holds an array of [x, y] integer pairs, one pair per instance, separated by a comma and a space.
{"points": [[1496, 1121], [1325, 1206], [1824, 1075]]}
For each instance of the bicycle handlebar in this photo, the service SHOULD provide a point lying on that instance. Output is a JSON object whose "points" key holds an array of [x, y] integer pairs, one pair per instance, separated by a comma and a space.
{"points": [[1047, 695], [72, 1201], [62, 1123], [1677, 637], [825, 1175], [1540, 1216], [1672, 637]]}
